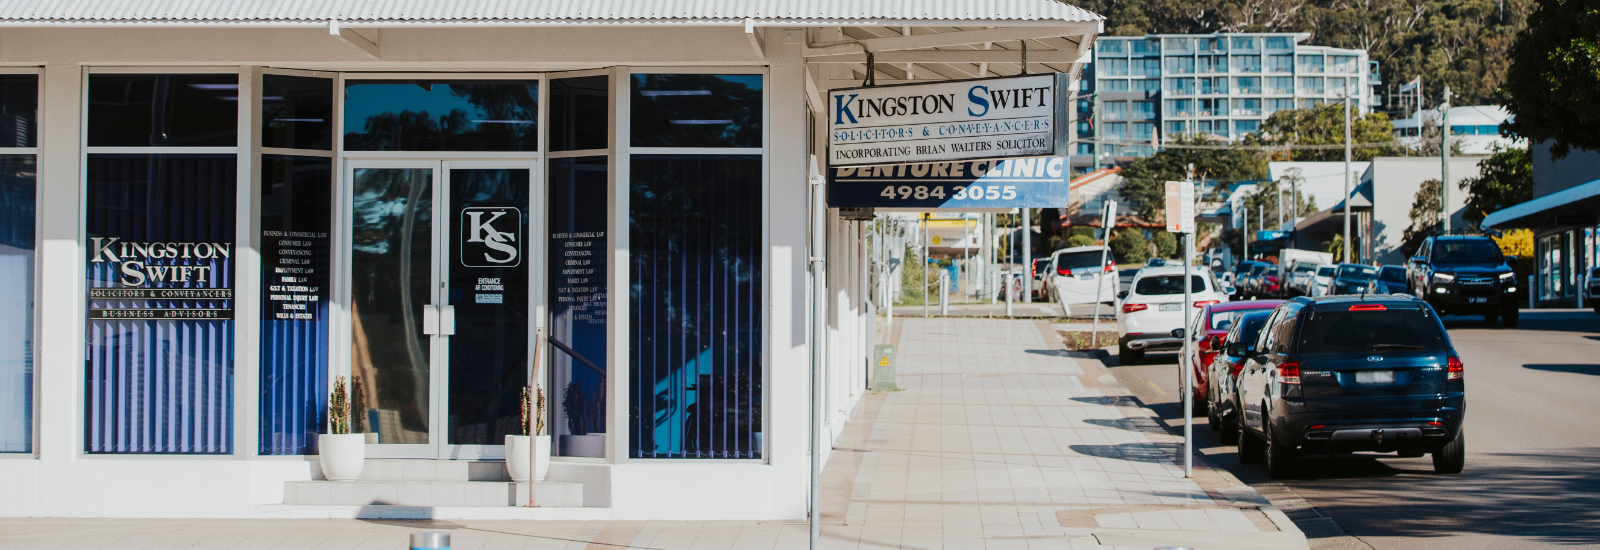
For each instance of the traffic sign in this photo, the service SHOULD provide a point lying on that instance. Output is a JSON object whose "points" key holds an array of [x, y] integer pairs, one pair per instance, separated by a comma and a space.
{"points": [[1180, 207]]}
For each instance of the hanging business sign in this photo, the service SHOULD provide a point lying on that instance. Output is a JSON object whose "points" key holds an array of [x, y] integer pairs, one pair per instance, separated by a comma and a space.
{"points": [[960, 185], [1023, 116]]}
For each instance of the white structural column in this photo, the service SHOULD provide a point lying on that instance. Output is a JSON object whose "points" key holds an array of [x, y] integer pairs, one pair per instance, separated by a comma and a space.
{"points": [[58, 359], [787, 371]]}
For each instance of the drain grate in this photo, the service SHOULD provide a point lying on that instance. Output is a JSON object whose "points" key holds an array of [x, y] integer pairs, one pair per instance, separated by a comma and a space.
{"points": [[1304, 513]]}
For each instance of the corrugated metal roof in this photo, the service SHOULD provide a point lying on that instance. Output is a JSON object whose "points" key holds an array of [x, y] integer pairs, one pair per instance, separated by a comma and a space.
{"points": [[492, 11]]}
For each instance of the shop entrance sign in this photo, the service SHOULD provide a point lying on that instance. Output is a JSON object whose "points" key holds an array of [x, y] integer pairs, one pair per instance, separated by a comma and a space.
{"points": [[994, 118], [961, 185]]}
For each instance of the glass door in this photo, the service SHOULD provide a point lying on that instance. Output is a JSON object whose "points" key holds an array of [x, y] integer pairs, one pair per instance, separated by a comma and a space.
{"points": [[439, 305]]}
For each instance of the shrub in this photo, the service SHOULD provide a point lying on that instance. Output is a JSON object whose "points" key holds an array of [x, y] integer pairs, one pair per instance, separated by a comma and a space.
{"points": [[1130, 247], [1080, 240], [1166, 245]]}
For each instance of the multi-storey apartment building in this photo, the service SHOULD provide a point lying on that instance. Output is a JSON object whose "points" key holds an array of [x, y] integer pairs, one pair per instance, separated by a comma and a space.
{"points": [[1141, 88]]}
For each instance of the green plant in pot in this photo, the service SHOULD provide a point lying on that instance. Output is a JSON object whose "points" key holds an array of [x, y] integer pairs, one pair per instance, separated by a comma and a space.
{"points": [[520, 457], [342, 453]]}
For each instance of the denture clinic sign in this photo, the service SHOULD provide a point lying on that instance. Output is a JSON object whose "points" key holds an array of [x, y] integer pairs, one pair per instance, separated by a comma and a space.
{"points": [[972, 119]]}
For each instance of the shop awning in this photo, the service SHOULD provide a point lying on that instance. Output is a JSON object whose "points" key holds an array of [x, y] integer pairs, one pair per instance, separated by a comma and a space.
{"points": [[550, 12], [1571, 206]]}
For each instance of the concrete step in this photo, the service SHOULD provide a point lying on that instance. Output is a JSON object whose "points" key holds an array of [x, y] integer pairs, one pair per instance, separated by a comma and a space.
{"points": [[429, 493], [380, 469]]}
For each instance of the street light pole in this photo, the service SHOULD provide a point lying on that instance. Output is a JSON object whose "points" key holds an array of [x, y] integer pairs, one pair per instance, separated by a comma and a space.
{"points": [[1347, 176], [1444, 155]]}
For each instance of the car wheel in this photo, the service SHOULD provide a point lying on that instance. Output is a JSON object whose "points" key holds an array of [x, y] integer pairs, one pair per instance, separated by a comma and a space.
{"points": [[1230, 430], [1211, 411], [1128, 356], [1490, 318], [1250, 448], [1451, 458], [1509, 317], [1279, 456]]}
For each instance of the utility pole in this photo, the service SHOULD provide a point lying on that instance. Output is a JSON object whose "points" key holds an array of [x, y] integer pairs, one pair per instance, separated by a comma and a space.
{"points": [[1444, 167], [1347, 176], [927, 244], [1027, 254]]}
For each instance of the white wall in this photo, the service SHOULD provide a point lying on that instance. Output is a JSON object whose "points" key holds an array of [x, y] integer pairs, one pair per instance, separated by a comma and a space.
{"points": [[1395, 183]]}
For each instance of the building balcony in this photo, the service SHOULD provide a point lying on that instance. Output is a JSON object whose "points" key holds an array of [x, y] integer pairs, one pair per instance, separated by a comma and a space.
{"points": [[1247, 112]]}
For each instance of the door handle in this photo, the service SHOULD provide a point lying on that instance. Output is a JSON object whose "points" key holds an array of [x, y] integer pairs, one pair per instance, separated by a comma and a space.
{"points": [[447, 320], [439, 320], [430, 319]]}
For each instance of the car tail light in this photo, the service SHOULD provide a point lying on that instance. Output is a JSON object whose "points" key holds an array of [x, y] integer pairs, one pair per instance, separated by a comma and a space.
{"points": [[1454, 368], [1289, 373], [1317, 427], [1063, 271], [1368, 307], [1204, 303], [1235, 366], [1204, 345], [1130, 308], [1111, 267], [1435, 423]]}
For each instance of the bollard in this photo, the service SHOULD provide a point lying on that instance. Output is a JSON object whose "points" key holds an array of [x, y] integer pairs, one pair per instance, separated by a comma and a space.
{"points": [[944, 293], [1530, 292], [1009, 282], [430, 541]]}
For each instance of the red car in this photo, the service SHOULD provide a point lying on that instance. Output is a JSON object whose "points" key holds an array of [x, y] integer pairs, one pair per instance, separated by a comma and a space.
{"points": [[1205, 344]]}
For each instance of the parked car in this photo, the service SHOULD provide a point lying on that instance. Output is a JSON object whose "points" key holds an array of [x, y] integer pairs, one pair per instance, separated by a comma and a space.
{"points": [[1323, 280], [1591, 287], [1076, 276], [1222, 391], [1391, 280], [1162, 262], [1352, 279], [1466, 275], [1343, 374], [1036, 277], [1153, 306], [1205, 340], [1301, 279], [1271, 285], [1251, 280]]}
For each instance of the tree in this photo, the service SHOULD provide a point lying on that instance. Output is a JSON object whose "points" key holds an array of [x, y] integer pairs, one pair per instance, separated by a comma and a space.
{"points": [[1325, 126], [1144, 181], [1080, 240], [1504, 179], [1166, 245], [1130, 247], [1519, 243], [1425, 215], [1553, 84]]}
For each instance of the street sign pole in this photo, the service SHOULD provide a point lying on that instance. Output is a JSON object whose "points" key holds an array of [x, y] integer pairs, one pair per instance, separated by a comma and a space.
{"points": [[1108, 220], [1180, 219]]}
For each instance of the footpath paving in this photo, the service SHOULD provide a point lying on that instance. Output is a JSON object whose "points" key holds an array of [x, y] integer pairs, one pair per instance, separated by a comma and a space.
{"points": [[999, 439]]}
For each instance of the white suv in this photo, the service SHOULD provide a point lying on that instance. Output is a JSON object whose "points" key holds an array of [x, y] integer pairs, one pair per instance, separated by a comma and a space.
{"points": [[1153, 306]]}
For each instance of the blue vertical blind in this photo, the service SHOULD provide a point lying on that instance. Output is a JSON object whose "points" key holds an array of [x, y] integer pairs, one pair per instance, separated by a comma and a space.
{"points": [[695, 266], [296, 218], [157, 379], [17, 257], [578, 301]]}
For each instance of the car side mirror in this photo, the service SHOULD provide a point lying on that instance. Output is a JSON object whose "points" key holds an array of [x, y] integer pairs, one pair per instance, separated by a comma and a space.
{"points": [[1177, 333], [1123, 295], [1239, 349], [1511, 259]]}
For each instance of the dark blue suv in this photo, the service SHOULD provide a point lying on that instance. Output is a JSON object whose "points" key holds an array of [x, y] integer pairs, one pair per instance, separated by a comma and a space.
{"points": [[1343, 374]]}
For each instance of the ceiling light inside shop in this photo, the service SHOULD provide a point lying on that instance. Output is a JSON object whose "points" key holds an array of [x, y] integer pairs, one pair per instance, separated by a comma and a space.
{"points": [[656, 93], [214, 86], [724, 121]]}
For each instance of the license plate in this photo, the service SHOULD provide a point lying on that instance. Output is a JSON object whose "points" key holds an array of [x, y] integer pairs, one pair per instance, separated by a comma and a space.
{"points": [[1478, 300], [1171, 307], [1375, 377], [1086, 276]]}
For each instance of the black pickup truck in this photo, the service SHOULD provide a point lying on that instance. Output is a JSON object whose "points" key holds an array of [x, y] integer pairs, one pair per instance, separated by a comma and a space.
{"points": [[1466, 275]]}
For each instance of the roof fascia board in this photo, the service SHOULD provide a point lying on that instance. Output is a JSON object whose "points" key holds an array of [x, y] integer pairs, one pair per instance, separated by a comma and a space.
{"points": [[943, 39], [957, 56]]}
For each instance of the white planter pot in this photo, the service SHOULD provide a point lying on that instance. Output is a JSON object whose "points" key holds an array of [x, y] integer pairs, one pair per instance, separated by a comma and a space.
{"points": [[342, 455], [517, 456]]}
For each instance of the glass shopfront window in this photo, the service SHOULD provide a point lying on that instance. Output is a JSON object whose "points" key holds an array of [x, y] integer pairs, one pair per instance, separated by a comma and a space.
{"points": [[19, 108], [696, 110], [296, 221], [431, 115], [160, 245], [578, 360], [296, 112], [163, 110]]}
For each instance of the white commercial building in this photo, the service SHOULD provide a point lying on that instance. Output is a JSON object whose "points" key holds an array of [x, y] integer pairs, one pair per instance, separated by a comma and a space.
{"points": [[213, 212]]}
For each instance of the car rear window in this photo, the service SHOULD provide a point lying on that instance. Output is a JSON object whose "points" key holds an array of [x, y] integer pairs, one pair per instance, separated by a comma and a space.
{"points": [[1474, 251], [1392, 275], [1167, 284], [1325, 271], [1344, 331], [1251, 322], [1224, 320], [1078, 260]]}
